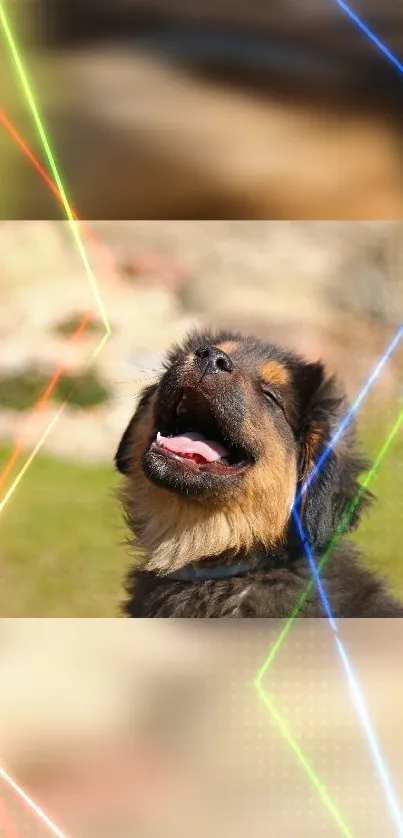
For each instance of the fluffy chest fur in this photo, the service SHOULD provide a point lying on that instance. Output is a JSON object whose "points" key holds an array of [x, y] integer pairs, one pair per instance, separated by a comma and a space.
{"points": [[236, 436]]}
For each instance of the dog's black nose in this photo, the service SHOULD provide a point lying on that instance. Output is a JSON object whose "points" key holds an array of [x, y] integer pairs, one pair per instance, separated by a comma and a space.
{"points": [[216, 359]]}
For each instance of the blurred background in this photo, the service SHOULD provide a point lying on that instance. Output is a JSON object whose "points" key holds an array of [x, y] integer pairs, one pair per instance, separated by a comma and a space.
{"points": [[173, 109], [166, 110], [118, 733], [329, 290]]}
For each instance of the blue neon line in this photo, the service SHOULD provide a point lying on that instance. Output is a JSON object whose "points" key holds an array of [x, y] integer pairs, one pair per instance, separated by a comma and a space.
{"points": [[347, 419], [371, 35], [352, 680], [366, 722], [354, 689], [357, 697], [384, 49], [315, 570]]}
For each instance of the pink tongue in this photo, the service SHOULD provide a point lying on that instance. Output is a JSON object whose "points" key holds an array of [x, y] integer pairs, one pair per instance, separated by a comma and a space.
{"points": [[190, 444]]}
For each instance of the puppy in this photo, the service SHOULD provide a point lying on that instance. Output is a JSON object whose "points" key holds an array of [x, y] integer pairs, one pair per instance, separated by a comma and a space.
{"points": [[214, 458]]}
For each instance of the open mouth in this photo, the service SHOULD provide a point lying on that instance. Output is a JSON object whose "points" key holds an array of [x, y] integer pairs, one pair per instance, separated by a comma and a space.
{"points": [[194, 439]]}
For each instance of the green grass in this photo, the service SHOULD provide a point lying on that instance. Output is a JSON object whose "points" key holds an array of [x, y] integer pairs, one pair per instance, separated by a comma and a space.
{"points": [[61, 534], [69, 326], [22, 390], [380, 535], [85, 390]]}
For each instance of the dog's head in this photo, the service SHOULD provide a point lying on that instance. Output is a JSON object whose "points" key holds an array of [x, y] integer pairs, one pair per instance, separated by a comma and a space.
{"points": [[218, 449]]}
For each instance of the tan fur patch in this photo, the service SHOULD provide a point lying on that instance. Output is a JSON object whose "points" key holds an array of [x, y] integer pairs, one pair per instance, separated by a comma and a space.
{"points": [[174, 530], [272, 372], [311, 443], [228, 346]]}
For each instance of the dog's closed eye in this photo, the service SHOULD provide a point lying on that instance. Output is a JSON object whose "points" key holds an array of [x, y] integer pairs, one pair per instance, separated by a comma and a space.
{"points": [[272, 395]]}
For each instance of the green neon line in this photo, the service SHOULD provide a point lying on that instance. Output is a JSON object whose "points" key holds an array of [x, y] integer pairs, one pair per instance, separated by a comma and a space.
{"points": [[100, 346], [41, 131], [305, 764], [368, 477], [281, 724]]}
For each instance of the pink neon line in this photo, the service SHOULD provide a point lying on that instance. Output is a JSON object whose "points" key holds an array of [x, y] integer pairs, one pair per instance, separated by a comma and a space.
{"points": [[31, 804]]}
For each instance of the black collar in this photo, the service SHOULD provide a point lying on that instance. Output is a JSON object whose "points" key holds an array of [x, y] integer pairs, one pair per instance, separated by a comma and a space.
{"points": [[197, 573]]}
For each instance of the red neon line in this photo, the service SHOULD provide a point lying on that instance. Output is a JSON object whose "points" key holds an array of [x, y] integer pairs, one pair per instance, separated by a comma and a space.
{"points": [[38, 407], [28, 153], [44, 175], [10, 463], [56, 375], [91, 237]]}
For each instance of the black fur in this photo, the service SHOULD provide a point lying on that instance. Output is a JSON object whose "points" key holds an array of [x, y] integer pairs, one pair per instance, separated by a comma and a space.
{"points": [[351, 590], [331, 506]]}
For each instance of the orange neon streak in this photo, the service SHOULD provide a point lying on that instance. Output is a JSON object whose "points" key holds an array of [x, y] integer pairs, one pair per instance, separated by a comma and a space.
{"points": [[44, 175], [91, 237], [41, 403]]}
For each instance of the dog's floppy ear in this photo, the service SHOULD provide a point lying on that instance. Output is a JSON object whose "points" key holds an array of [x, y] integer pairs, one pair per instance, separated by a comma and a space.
{"points": [[329, 505], [122, 456]]}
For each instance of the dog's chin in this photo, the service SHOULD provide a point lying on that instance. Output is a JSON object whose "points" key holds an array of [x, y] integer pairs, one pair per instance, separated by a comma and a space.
{"points": [[191, 479]]}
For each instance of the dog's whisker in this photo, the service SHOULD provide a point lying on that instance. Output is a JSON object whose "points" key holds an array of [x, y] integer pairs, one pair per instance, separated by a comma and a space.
{"points": [[134, 380], [140, 374]]}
